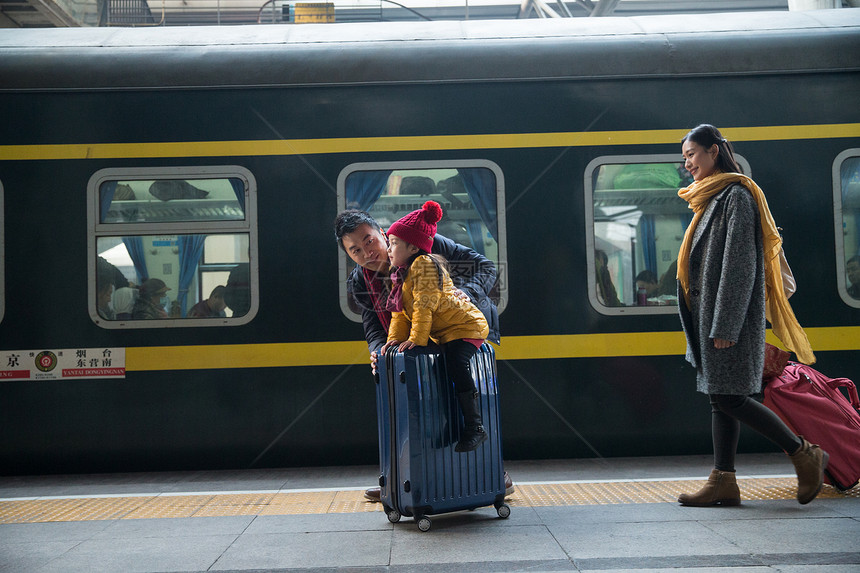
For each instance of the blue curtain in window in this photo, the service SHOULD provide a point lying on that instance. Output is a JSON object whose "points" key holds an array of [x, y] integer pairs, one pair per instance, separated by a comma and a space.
{"points": [[239, 189], [134, 246], [649, 243], [190, 251], [107, 190], [363, 188], [475, 231], [686, 219], [480, 184]]}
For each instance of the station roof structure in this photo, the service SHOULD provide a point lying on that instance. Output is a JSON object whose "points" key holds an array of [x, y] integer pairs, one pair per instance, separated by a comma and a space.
{"points": [[71, 13]]}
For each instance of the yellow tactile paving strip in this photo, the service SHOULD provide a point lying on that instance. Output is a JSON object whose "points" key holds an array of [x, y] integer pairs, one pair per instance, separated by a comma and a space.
{"points": [[602, 493], [83, 508]]}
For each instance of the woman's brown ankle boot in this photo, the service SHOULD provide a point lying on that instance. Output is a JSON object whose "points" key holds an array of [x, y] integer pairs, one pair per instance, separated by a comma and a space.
{"points": [[809, 461], [721, 489]]}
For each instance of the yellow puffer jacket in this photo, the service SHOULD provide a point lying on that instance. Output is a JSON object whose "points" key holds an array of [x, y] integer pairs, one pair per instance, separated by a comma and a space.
{"points": [[430, 313]]}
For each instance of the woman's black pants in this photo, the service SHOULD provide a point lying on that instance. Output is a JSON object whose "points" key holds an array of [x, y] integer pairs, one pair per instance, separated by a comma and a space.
{"points": [[728, 411]]}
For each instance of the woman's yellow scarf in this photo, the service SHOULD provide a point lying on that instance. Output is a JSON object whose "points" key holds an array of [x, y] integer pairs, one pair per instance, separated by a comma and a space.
{"points": [[778, 310]]}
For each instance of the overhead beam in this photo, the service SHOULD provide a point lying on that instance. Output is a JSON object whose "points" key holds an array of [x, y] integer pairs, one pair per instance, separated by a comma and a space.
{"points": [[543, 10], [604, 8]]}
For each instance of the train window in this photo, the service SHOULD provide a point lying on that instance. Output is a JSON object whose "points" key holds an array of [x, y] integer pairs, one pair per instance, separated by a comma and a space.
{"points": [[635, 223], [846, 184], [163, 200], [471, 194], [2, 257], [173, 247]]}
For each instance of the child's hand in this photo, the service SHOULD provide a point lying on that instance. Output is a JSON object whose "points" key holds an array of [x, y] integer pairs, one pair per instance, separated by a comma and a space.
{"points": [[401, 346], [388, 345], [461, 295]]}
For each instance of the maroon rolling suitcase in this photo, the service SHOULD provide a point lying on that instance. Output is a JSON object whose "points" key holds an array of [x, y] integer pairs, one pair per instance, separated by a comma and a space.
{"points": [[811, 404]]}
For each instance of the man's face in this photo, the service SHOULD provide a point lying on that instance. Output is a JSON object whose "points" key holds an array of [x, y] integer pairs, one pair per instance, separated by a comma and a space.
{"points": [[367, 247], [852, 269]]}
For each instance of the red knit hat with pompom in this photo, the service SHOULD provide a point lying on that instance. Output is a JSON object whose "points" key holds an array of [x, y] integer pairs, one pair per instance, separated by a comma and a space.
{"points": [[418, 227]]}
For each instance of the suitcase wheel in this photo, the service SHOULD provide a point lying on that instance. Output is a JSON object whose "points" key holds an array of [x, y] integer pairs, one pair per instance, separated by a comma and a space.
{"points": [[393, 515], [424, 524], [504, 511]]}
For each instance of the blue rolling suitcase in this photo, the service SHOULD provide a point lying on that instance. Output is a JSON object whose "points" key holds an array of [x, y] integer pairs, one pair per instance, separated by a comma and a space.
{"points": [[419, 425]]}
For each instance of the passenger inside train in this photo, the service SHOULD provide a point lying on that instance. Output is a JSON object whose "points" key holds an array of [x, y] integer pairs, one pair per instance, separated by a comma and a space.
{"points": [[852, 273], [108, 280], [606, 293], [212, 307], [149, 304], [123, 302], [104, 295], [237, 292], [647, 282]]}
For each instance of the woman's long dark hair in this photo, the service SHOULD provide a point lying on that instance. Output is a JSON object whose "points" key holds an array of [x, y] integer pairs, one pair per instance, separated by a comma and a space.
{"points": [[707, 135]]}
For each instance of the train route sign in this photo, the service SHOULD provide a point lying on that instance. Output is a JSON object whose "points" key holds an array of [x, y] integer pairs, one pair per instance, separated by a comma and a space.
{"points": [[56, 364]]}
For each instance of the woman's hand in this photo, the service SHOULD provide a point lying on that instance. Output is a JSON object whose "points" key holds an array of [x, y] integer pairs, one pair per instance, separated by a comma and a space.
{"points": [[722, 343], [406, 345]]}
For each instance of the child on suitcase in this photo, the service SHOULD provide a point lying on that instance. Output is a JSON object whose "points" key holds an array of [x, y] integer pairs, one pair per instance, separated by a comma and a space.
{"points": [[424, 306]]}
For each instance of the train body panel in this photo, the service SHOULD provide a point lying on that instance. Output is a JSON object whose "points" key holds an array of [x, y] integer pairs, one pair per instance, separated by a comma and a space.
{"points": [[548, 112]]}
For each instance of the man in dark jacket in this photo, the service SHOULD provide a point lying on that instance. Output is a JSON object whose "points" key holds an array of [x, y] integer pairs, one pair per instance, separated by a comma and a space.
{"points": [[363, 240]]}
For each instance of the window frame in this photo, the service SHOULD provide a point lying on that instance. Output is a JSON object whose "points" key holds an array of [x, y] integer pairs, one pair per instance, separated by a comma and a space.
{"points": [[97, 229], [588, 197], [423, 165], [2, 253], [838, 221]]}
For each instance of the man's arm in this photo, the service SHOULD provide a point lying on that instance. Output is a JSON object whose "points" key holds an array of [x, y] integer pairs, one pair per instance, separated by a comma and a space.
{"points": [[471, 272]]}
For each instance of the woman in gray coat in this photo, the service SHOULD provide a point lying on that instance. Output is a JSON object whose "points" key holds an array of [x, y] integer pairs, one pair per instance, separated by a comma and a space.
{"points": [[722, 280]]}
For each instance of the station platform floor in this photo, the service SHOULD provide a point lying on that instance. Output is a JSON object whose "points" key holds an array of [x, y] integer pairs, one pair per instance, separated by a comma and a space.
{"points": [[597, 515]]}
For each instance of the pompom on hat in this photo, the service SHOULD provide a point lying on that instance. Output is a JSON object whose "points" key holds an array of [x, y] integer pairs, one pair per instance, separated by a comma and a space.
{"points": [[418, 227]]}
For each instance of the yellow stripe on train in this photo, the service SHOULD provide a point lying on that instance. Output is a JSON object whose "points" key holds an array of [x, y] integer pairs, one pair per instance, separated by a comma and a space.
{"points": [[408, 143], [512, 348]]}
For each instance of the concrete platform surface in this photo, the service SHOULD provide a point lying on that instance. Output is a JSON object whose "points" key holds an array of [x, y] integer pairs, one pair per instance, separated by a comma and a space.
{"points": [[607, 515]]}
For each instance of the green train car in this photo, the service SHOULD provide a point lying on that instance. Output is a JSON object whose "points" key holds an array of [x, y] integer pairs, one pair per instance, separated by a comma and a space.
{"points": [[187, 159]]}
